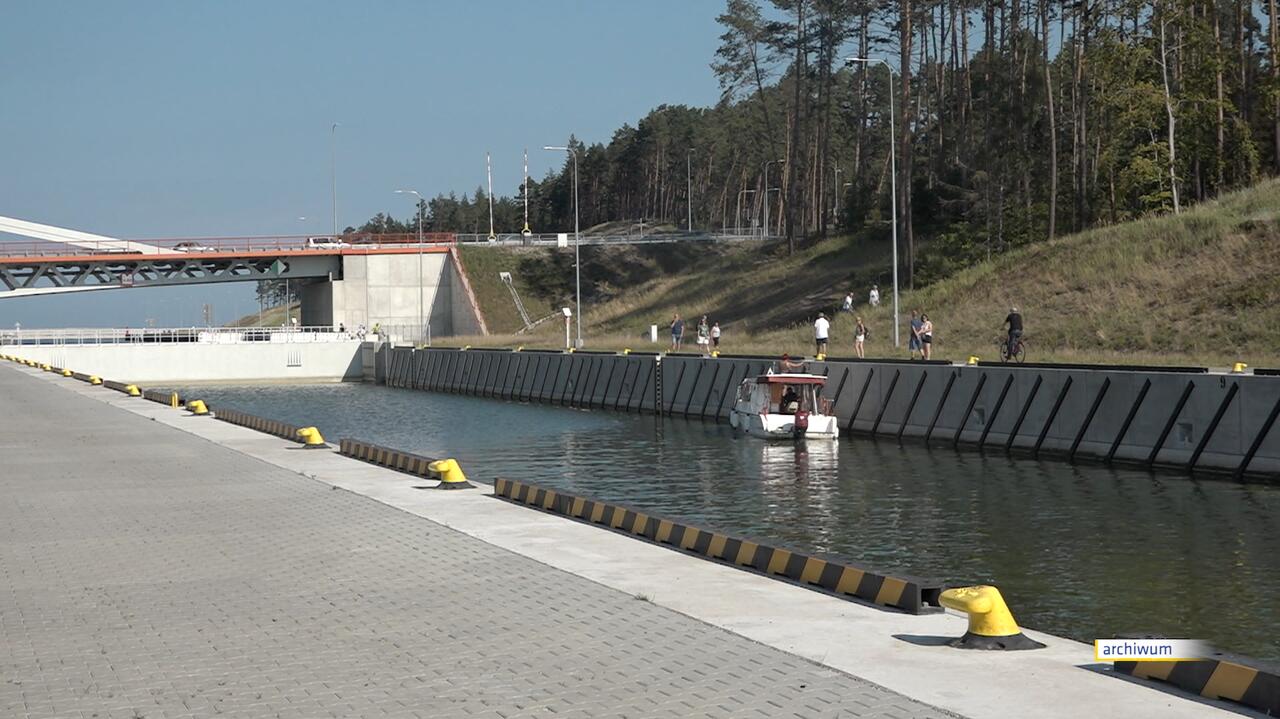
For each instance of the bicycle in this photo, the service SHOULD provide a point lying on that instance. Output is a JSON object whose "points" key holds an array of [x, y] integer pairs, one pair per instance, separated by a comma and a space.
{"points": [[1017, 353]]}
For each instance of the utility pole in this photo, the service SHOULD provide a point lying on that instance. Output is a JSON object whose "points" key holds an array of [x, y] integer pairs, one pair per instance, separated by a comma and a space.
{"points": [[488, 171], [577, 238], [333, 172], [526, 231]]}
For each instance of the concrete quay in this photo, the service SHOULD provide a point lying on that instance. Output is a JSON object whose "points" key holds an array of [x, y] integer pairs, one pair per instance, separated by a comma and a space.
{"points": [[156, 564]]}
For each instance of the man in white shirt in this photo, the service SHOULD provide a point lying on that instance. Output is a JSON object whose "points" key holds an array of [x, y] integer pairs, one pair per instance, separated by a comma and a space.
{"points": [[848, 303], [821, 327], [874, 297]]}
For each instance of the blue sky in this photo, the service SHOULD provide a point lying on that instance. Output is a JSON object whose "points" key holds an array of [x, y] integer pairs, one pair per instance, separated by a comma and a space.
{"points": [[164, 119]]}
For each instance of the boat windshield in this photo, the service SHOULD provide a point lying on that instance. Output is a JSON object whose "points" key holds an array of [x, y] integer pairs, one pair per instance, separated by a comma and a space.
{"points": [[792, 398]]}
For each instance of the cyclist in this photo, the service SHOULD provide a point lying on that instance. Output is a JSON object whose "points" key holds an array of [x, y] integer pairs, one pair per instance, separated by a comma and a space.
{"points": [[1014, 321]]}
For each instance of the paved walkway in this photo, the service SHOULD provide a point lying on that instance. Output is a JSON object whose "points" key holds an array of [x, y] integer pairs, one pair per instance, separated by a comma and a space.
{"points": [[145, 572]]}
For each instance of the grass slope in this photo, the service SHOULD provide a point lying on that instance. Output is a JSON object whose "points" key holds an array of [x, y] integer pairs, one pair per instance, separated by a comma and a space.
{"points": [[271, 317], [1201, 287]]}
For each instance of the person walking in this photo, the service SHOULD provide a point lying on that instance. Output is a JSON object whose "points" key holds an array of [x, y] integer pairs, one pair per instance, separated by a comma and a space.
{"points": [[874, 297], [848, 303], [859, 338], [715, 335], [821, 330], [926, 337], [913, 342], [677, 332], [704, 334]]}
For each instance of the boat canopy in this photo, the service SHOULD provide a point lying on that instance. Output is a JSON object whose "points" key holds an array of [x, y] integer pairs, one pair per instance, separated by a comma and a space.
{"points": [[791, 379]]}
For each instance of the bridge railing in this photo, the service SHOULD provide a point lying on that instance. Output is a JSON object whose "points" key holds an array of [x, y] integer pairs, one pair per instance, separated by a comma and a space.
{"points": [[204, 335], [196, 246], [549, 239]]}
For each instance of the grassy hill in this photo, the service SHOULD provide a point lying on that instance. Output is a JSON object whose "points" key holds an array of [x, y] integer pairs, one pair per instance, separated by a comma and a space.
{"points": [[1202, 287], [271, 317]]}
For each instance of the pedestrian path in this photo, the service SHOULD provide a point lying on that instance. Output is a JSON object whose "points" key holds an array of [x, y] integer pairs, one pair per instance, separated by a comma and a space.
{"points": [[146, 572]]}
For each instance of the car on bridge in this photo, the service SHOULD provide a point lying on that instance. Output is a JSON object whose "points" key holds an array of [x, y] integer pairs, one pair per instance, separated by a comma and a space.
{"points": [[192, 247], [325, 243]]}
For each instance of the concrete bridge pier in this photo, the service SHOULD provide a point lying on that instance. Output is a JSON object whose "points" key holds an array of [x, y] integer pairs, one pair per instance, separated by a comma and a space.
{"points": [[386, 289]]}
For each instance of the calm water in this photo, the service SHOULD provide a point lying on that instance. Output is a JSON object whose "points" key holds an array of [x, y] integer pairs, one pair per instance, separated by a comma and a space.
{"points": [[1078, 551]]}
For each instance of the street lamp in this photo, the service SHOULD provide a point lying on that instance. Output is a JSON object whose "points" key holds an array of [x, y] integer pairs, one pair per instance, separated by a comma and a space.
{"points": [[737, 216], [333, 172], [893, 155], [577, 239], [766, 194], [366, 258]]}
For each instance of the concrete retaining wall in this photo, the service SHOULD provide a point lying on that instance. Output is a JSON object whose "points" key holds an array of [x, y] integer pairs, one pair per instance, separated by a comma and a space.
{"points": [[1185, 420], [206, 362]]}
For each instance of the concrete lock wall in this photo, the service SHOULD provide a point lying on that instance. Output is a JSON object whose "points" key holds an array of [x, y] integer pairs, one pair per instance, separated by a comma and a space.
{"points": [[584, 380], [1184, 420], [205, 362]]}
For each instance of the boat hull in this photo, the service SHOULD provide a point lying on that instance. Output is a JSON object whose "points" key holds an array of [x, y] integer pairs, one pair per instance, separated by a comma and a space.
{"points": [[782, 426]]}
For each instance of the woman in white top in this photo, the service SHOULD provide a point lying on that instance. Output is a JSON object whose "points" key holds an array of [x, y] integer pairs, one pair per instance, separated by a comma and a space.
{"points": [[926, 337], [859, 337]]}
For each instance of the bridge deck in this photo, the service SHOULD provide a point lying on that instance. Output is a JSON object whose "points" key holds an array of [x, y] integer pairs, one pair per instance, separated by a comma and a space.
{"points": [[150, 572]]}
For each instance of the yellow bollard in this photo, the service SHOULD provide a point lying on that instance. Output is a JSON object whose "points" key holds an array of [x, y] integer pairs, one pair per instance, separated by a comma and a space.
{"points": [[450, 474], [570, 350], [174, 400], [715, 353], [973, 360], [626, 350], [132, 390], [95, 379], [312, 438], [519, 348], [197, 407], [465, 348], [821, 357], [991, 624], [46, 368], [1238, 368], [67, 373]]}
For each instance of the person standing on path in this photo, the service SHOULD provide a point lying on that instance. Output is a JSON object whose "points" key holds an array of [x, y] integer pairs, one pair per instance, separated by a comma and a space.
{"points": [[926, 337], [704, 334], [821, 330], [913, 342], [859, 337], [677, 332], [715, 335], [874, 297], [848, 303]]}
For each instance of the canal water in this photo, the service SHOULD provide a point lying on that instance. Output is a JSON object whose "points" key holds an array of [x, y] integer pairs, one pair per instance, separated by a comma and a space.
{"points": [[1079, 551]]}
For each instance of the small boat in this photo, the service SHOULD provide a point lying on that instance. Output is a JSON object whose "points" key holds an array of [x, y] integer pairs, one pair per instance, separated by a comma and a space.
{"points": [[787, 405]]}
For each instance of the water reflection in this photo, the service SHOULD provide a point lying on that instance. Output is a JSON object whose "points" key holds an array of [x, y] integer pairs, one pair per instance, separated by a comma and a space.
{"points": [[1078, 550]]}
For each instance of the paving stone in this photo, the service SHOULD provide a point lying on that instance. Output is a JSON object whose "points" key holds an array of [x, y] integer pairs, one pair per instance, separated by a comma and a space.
{"points": [[144, 571]]}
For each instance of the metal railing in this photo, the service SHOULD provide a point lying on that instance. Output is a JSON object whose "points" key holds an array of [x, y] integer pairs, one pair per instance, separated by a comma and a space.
{"points": [[168, 335], [200, 246], [197, 246], [546, 239]]}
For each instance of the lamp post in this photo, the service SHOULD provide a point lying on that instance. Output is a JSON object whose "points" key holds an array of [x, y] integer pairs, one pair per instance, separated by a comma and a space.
{"points": [[688, 193], [835, 201], [366, 258], [333, 173], [737, 216], [577, 239], [766, 194], [893, 158]]}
